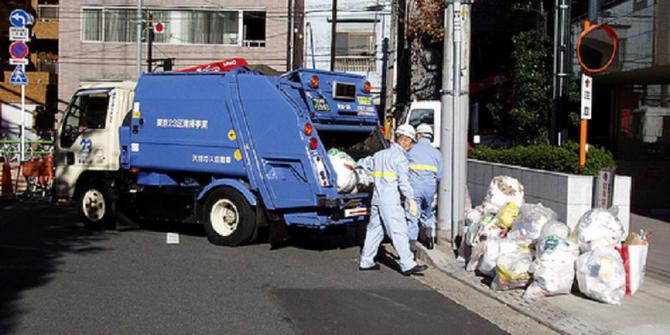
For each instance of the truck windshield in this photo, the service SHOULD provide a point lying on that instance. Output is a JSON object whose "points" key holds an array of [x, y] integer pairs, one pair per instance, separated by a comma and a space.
{"points": [[419, 116], [86, 111]]}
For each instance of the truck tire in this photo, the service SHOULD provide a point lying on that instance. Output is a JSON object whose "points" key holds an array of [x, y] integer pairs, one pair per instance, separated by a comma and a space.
{"points": [[228, 218], [94, 205]]}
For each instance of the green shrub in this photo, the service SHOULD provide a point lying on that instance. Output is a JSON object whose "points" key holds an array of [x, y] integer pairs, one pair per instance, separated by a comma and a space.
{"points": [[547, 157]]}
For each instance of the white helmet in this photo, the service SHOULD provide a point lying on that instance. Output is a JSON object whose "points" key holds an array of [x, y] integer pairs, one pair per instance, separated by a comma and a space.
{"points": [[424, 129], [406, 130]]}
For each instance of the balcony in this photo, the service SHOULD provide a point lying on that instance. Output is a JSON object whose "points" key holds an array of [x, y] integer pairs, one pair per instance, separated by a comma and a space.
{"points": [[48, 12], [355, 63], [46, 26]]}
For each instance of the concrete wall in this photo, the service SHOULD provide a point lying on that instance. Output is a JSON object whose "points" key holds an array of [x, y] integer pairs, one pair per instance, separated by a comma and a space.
{"points": [[570, 196], [97, 61]]}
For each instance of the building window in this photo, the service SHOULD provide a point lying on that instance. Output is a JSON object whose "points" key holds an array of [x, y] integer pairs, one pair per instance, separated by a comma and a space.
{"points": [[91, 25], [254, 29], [182, 26], [354, 51]]}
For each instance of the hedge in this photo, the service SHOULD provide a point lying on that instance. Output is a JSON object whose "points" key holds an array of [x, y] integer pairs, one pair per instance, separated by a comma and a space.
{"points": [[564, 158]]}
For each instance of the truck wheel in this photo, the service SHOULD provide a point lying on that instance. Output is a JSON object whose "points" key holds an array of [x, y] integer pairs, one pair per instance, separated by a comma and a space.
{"points": [[228, 218], [95, 207]]}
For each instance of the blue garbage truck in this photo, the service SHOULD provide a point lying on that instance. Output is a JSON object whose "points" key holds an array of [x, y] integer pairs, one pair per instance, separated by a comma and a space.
{"points": [[234, 151]]}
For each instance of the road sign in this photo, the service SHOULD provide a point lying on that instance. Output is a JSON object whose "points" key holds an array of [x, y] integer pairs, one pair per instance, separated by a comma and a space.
{"points": [[19, 50], [159, 28], [18, 77], [19, 61], [587, 96], [19, 34], [20, 18]]}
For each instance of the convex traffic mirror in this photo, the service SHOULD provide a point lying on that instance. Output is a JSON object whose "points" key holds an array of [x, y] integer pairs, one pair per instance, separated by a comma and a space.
{"points": [[596, 48]]}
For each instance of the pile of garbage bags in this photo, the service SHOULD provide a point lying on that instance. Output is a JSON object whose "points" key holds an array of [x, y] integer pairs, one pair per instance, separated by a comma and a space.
{"points": [[349, 179], [524, 245]]}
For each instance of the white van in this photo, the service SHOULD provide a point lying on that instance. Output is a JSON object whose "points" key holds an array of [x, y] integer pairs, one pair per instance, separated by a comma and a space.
{"points": [[427, 112]]}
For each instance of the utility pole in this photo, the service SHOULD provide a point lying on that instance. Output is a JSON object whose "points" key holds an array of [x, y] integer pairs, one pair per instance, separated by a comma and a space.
{"points": [[389, 69], [444, 210], [561, 69], [138, 18], [150, 45], [454, 124], [333, 35]]}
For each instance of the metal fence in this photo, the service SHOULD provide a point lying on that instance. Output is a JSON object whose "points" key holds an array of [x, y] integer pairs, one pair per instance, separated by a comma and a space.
{"points": [[354, 63], [10, 150]]}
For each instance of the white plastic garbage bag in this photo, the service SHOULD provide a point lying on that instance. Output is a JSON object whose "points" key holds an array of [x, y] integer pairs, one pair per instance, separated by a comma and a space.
{"points": [[556, 228], [601, 275], [554, 268], [494, 248], [528, 224], [346, 178], [598, 228], [502, 190], [513, 270]]}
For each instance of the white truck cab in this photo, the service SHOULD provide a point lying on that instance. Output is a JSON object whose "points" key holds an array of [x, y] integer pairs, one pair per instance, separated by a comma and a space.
{"points": [[87, 141], [427, 112]]}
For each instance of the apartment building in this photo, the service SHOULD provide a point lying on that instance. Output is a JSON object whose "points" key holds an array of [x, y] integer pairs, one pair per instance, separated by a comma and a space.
{"points": [[98, 37]]}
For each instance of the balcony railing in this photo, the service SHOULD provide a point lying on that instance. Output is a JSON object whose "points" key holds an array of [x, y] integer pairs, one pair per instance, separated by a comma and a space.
{"points": [[355, 63], [47, 12], [253, 43], [46, 66]]}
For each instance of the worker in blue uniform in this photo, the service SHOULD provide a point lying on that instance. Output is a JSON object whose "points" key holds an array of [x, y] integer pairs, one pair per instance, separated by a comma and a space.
{"points": [[425, 170], [390, 169]]}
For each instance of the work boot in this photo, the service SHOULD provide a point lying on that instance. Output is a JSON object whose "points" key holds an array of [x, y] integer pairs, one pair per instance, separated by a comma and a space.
{"points": [[415, 270], [429, 243]]}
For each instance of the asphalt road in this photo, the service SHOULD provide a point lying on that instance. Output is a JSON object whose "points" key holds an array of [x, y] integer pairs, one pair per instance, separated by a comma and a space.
{"points": [[58, 277]]}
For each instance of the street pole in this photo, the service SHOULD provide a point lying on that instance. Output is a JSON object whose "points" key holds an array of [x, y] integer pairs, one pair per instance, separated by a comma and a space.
{"points": [[138, 36], [150, 46], [561, 69], [455, 201], [23, 118], [333, 35], [444, 214]]}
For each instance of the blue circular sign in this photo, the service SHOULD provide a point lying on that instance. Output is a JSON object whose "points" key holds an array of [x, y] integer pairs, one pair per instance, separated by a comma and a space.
{"points": [[19, 50], [19, 18]]}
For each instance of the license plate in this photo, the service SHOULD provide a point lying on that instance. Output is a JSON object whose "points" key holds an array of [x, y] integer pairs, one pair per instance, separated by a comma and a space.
{"points": [[364, 101], [355, 212], [320, 104]]}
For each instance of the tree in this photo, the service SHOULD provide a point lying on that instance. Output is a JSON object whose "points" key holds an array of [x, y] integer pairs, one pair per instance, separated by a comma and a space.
{"points": [[523, 115], [425, 34]]}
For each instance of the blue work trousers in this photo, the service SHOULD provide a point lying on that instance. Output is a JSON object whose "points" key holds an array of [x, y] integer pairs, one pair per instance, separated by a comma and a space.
{"points": [[423, 195], [393, 219]]}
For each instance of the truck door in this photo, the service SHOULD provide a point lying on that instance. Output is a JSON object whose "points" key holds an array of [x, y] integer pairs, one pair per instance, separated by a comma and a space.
{"points": [[281, 151], [86, 135]]}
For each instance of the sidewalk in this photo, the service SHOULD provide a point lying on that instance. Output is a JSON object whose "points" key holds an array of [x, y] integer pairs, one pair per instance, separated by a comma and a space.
{"points": [[646, 312]]}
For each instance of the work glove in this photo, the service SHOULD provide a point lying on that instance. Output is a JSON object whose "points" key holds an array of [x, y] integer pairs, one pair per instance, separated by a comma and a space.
{"points": [[413, 209]]}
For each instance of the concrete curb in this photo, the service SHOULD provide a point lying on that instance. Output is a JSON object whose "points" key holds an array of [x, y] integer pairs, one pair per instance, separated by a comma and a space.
{"points": [[541, 311]]}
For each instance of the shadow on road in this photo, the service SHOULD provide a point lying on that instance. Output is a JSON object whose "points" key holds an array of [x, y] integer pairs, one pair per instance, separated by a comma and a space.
{"points": [[34, 236]]}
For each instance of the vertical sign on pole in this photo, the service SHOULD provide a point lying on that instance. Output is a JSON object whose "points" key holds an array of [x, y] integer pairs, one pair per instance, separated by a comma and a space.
{"points": [[19, 51], [586, 111], [596, 49]]}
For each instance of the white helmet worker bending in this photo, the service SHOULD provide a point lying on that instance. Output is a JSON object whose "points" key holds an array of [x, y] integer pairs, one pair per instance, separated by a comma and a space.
{"points": [[406, 130], [390, 170]]}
